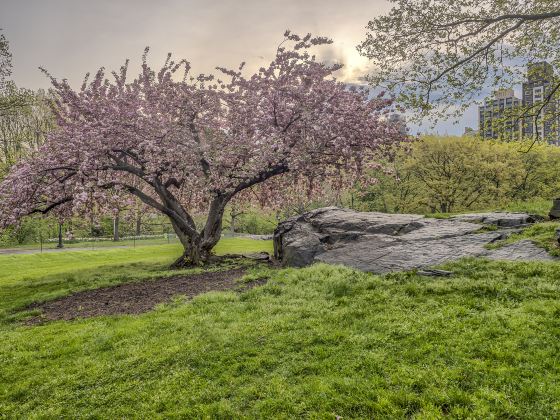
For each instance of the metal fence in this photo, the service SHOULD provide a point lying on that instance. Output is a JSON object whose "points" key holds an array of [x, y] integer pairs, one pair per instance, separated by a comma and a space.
{"points": [[98, 243], [93, 243]]}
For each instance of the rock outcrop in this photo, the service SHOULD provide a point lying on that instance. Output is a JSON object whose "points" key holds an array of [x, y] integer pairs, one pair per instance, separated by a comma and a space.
{"points": [[380, 242], [499, 219]]}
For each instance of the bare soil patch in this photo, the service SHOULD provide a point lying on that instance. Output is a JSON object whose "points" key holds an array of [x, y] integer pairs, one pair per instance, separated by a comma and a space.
{"points": [[137, 297]]}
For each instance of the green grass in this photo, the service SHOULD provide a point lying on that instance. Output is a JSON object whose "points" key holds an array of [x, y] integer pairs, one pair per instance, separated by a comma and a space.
{"points": [[105, 243], [101, 244], [542, 234], [318, 342], [28, 278], [16, 267], [540, 207]]}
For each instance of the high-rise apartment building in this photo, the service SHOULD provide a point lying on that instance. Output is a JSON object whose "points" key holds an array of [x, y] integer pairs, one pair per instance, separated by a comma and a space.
{"points": [[536, 90], [497, 118]]}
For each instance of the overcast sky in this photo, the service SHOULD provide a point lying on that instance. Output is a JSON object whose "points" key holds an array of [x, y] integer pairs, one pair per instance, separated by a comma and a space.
{"points": [[71, 37]]}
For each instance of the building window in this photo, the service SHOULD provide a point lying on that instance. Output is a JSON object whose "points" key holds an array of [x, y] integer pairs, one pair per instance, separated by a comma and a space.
{"points": [[537, 93]]}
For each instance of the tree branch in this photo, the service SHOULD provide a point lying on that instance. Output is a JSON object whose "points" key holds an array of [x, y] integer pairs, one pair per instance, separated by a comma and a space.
{"points": [[51, 206]]}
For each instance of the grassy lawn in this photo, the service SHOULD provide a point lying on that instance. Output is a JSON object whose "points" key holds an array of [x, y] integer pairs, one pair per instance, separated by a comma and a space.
{"points": [[14, 268], [537, 206], [36, 277], [318, 342], [105, 243], [102, 243], [543, 234]]}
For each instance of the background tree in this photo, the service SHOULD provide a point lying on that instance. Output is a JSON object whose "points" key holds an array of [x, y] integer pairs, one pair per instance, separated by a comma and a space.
{"points": [[23, 128], [5, 60], [139, 213], [10, 97], [234, 213], [183, 144], [454, 174], [24, 115], [438, 55]]}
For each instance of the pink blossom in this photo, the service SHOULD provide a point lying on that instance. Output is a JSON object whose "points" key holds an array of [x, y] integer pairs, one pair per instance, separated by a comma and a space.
{"points": [[184, 144]]}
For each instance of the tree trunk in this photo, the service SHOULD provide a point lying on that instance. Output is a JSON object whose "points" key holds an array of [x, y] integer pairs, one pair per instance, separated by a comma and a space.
{"points": [[195, 253], [232, 223], [234, 215], [197, 249], [91, 226], [116, 229], [138, 226], [213, 228], [60, 244]]}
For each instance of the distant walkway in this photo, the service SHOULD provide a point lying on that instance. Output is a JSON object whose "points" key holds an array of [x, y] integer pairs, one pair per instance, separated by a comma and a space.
{"points": [[14, 251]]}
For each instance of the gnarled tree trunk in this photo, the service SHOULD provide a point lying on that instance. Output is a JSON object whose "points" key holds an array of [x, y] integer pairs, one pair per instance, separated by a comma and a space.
{"points": [[197, 246]]}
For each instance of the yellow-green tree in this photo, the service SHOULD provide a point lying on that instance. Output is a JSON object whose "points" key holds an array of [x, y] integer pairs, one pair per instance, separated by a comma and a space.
{"points": [[450, 174]]}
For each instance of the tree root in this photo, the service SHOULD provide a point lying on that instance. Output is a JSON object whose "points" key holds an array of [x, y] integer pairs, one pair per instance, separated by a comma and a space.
{"points": [[185, 262]]}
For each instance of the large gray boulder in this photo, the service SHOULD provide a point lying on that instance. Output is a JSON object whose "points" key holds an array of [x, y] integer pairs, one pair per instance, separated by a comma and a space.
{"points": [[381, 242]]}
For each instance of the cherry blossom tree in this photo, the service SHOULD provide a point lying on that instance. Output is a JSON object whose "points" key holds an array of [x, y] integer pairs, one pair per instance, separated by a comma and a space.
{"points": [[185, 144]]}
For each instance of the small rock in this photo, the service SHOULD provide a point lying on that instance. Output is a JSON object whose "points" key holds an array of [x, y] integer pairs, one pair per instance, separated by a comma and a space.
{"points": [[506, 233], [259, 256]]}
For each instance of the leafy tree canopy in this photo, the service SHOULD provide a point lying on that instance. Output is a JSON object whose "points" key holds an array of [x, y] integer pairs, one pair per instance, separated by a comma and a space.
{"points": [[438, 55]]}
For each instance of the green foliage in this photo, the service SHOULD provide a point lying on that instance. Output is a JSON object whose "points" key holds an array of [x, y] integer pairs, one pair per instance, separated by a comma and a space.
{"points": [[256, 223], [453, 174], [5, 60], [25, 118], [538, 206], [543, 234], [437, 56], [318, 342], [31, 230]]}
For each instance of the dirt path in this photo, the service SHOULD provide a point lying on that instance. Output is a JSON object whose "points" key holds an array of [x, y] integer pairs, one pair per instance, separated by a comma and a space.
{"points": [[138, 297]]}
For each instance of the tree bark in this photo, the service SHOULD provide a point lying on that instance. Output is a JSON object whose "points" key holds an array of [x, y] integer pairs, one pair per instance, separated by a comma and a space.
{"points": [[213, 228], [234, 214], [60, 244], [116, 229], [197, 247]]}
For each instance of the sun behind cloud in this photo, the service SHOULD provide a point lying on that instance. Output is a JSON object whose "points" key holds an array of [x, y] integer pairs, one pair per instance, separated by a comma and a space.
{"points": [[343, 50]]}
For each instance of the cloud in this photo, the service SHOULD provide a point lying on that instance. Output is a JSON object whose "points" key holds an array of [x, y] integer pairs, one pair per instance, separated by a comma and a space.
{"points": [[70, 38]]}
